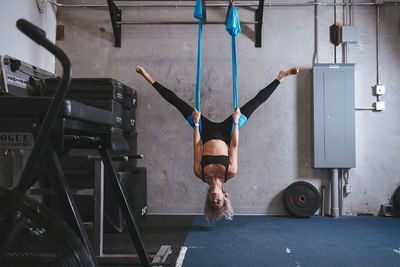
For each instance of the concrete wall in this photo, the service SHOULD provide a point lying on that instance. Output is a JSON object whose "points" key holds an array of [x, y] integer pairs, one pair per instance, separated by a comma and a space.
{"points": [[276, 143], [16, 44]]}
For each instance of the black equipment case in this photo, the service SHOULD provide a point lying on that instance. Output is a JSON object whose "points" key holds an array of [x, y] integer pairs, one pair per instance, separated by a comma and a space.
{"points": [[134, 185], [105, 93]]}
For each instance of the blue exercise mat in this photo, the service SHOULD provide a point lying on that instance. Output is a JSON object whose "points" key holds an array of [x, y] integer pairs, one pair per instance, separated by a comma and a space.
{"points": [[262, 241]]}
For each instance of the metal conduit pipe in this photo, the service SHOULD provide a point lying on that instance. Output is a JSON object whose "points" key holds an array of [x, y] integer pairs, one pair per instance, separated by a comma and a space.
{"points": [[334, 193], [364, 108], [315, 58], [341, 193], [323, 200], [334, 22], [344, 60], [345, 23], [351, 15], [193, 3], [378, 80]]}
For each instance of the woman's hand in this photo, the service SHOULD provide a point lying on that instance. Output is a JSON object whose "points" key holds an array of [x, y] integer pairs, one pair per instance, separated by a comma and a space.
{"points": [[236, 115], [196, 116]]}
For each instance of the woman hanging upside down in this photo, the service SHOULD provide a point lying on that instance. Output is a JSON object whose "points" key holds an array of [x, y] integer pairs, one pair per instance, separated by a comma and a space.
{"points": [[216, 144]]}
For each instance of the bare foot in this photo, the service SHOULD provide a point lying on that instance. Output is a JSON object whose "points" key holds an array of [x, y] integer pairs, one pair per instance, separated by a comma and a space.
{"points": [[283, 74], [148, 76]]}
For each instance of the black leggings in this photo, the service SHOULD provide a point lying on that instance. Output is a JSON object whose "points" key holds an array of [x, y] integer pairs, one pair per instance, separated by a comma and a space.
{"points": [[216, 130]]}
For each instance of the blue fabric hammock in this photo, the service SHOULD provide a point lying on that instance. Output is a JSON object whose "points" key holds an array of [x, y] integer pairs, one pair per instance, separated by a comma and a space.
{"points": [[198, 13], [233, 28]]}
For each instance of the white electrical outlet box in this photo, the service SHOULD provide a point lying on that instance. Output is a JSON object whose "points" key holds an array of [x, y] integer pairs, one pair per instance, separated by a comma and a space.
{"points": [[379, 105], [349, 34], [379, 89], [347, 189]]}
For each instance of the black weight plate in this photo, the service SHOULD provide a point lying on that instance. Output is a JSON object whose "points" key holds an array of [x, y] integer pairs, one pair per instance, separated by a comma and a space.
{"points": [[302, 199], [396, 199]]}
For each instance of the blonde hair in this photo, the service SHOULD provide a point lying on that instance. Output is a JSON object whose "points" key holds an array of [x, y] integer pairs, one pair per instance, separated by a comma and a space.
{"points": [[213, 213]]}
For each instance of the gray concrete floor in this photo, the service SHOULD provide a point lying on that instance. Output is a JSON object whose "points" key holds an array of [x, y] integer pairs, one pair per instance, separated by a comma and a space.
{"points": [[156, 231]]}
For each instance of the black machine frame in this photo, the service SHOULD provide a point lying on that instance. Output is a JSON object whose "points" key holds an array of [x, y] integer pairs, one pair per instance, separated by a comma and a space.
{"points": [[116, 20], [47, 149]]}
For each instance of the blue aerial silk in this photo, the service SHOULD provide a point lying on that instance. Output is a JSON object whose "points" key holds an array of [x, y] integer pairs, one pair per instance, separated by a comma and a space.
{"points": [[233, 28], [198, 13]]}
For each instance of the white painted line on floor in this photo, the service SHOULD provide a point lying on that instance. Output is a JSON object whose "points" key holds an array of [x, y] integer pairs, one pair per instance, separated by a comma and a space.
{"points": [[162, 255], [396, 251], [288, 251], [181, 257]]}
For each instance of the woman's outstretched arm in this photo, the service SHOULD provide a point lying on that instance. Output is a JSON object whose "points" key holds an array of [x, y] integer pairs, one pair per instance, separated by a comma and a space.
{"points": [[234, 145], [197, 145]]}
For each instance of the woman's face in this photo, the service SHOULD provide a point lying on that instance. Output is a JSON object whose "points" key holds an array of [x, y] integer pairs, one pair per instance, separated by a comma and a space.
{"points": [[217, 199]]}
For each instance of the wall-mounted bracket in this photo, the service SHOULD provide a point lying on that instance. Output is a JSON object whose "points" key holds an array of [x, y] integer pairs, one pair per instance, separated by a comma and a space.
{"points": [[227, 12], [203, 4], [115, 14], [259, 22]]}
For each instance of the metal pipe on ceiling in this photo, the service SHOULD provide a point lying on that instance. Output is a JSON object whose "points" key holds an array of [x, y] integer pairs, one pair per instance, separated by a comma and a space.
{"points": [[137, 4], [180, 22]]}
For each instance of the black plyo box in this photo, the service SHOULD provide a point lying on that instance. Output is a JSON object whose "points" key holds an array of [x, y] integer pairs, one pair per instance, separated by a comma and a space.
{"points": [[134, 186], [96, 89], [133, 183], [104, 93]]}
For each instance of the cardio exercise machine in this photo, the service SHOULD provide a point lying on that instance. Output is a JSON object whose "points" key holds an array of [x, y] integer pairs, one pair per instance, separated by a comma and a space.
{"points": [[30, 233]]}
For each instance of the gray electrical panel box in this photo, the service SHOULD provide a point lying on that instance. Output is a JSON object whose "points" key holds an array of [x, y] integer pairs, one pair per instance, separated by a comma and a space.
{"points": [[334, 116], [349, 34]]}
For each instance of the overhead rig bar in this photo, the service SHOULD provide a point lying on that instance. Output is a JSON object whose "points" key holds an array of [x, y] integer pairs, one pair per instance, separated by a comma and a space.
{"points": [[116, 13], [179, 22]]}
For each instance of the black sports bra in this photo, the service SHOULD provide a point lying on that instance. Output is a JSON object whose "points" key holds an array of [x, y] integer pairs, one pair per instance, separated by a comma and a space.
{"points": [[207, 160]]}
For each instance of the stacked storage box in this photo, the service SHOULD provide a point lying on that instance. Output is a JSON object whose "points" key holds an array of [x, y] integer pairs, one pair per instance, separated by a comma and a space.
{"points": [[112, 95], [108, 94]]}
